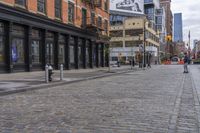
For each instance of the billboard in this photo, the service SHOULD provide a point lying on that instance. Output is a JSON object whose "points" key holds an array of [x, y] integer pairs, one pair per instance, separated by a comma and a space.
{"points": [[128, 6]]}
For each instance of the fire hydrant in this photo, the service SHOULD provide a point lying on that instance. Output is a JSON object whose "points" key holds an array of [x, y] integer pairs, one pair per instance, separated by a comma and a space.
{"points": [[50, 71]]}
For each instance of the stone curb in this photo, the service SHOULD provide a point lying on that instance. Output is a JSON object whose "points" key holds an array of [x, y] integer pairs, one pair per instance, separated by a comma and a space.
{"points": [[60, 83]]}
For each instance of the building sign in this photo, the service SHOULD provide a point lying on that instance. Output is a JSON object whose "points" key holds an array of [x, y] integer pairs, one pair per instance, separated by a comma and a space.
{"points": [[129, 6]]}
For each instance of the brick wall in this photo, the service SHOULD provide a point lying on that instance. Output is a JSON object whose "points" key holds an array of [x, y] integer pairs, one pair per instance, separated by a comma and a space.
{"points": [[31, 6]]}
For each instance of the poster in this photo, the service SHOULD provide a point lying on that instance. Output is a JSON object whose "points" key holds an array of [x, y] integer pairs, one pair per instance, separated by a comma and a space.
{"points": [[129, 6]]}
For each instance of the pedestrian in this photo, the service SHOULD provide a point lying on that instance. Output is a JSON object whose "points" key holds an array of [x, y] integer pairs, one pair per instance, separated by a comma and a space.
{"points": [[133, 62], [149, 62], [186, 61]]}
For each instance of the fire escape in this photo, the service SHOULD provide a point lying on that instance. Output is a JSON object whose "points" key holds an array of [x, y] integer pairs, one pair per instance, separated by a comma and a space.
{"points": [[93, 24]]}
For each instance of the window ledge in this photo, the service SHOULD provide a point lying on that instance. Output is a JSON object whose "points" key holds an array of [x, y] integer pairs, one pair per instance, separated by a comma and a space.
{"points": [[20, 6], [41, 13], [58, 19]]}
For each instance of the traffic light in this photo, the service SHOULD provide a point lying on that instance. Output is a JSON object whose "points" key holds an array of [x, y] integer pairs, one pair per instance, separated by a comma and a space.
{"points": [[168, 38]]}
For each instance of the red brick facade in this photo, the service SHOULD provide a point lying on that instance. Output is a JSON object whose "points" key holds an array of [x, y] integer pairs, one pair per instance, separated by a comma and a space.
{"points": [[31, 6]]}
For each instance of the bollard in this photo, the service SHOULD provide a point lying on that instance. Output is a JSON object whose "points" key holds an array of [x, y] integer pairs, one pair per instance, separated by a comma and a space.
{"points": [[47, 73], [50, 72], [61, 72]]}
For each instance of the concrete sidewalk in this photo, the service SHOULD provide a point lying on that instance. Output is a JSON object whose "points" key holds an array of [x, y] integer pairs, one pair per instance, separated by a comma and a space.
{"points": [[25, 81]]}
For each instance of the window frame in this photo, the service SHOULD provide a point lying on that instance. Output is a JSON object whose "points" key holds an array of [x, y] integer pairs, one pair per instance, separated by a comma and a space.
{"points": [[39, 39], [39, 2], [58, 8], [70, 4], [20, 5]]}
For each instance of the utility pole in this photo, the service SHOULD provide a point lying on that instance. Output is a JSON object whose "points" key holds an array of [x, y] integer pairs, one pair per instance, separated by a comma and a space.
{"points": [[144, 42]]}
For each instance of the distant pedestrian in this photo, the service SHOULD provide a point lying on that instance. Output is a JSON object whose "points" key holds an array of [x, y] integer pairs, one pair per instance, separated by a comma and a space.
{"points": [[149, 61], [186, 61], [133, 62]]}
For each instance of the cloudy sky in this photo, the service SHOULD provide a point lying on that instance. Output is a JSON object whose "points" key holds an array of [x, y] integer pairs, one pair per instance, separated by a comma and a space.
{"points": [[190, 10]]}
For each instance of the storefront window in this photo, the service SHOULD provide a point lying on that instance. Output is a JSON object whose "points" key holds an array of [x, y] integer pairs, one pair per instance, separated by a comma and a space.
{"points": [[71, 54], [35, 46], [61, 50], [94, 55], [99, 54], [80, 52], [2, 56], [17, 50], [35, 51], [1, 27], [87, 53], [2, 49]]}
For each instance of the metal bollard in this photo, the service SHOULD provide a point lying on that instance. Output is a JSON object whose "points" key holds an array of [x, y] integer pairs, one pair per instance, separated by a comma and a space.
{"points": [[61, 72], [47, 73]]}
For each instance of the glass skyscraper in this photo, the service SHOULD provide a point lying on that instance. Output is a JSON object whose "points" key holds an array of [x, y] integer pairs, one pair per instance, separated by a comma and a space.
{"points": [[178, 27]]}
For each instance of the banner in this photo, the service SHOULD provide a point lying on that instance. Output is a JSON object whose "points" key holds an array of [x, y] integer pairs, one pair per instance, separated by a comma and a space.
{"points": [[129, 6]]}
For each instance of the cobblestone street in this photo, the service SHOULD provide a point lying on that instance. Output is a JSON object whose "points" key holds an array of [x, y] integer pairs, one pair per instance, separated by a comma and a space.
{"points": [[157, 100]]}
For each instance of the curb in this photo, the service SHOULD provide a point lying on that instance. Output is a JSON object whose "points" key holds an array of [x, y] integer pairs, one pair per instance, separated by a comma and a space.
{"points": [[60, 83]]}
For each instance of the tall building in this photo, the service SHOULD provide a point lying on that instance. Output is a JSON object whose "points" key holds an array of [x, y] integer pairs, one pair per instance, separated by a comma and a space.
{"points": [[169, 17], [178, 27], [34, 33], [161, 23], [150, 7]]}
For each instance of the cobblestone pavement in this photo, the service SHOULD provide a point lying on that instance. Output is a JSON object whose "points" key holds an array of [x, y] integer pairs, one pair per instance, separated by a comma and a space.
{"points": [[14, 82], [158, 100]]}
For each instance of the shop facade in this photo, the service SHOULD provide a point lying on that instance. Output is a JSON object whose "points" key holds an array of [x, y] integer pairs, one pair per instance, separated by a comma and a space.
{"points": [[28, 42]]}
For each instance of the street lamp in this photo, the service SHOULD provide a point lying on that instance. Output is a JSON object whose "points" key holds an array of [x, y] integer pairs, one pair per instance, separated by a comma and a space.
{"points": [[144, 43]]}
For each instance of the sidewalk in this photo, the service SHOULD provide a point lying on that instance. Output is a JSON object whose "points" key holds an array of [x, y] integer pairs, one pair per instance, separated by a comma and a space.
{"points": [[25, 81]]}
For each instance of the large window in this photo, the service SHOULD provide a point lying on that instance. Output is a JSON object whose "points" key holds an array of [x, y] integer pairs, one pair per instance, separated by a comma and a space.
{"points": [[87, 53], [17, 47], [2, 56], [61, 50], [94, 55], [106, 5], [118, 33], [80, 52], [99, 22], [71, 12], [41, 6], [1, 49], [84, 17], [71, 51], [20, 2], [93, 18], [106, 26], [58, 8], [36, 46], [18, 50]]}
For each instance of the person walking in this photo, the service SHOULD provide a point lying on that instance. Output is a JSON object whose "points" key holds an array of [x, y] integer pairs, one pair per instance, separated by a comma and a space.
{"points": [[149, 61], [186, 61]]}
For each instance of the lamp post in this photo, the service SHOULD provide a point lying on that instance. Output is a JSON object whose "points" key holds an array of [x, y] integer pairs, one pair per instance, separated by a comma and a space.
{"points": [[144, 43]]}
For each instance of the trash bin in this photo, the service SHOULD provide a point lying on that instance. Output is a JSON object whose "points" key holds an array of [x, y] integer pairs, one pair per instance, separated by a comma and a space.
{"points": [[50, 71]]}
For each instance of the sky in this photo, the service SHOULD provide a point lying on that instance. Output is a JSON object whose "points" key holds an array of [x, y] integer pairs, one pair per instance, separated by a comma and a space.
{"points": [[190, 10]]}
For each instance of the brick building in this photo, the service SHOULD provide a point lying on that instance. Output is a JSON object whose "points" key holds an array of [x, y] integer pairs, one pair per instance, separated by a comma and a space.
{"points": [[169, 17], [38, 32]]}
